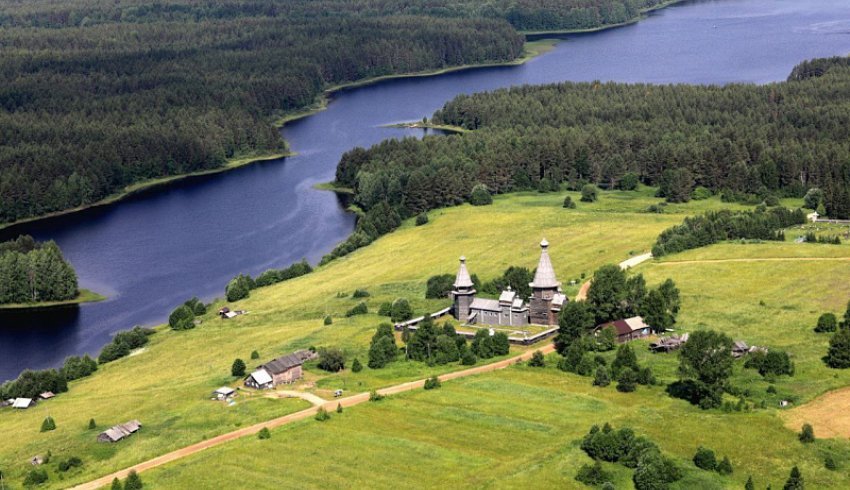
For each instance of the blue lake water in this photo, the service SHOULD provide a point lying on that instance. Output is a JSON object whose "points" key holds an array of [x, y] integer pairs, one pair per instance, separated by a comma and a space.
{"points": [[159, 248]]}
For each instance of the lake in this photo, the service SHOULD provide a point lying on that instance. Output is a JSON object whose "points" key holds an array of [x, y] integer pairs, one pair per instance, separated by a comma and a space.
{"points": [[158, 248]]}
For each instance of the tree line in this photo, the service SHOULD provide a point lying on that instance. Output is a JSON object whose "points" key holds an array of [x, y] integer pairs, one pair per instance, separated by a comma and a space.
{"points": [[32, 272], [99, 95], [748, 142]]}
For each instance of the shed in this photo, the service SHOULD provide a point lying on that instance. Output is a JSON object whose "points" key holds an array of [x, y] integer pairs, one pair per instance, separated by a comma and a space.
{"points": [[47, 395], [224, 392], [120, 431], [23, 403]]}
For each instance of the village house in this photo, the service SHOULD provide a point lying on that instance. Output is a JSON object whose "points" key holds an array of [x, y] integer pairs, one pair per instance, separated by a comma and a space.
{"points": [[120, 431], [511, 310], [283, 370], [627, 329]]}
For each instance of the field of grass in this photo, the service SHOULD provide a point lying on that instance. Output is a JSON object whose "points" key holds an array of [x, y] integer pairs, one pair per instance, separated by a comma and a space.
{"points": [[168, 384], [517, 428]]}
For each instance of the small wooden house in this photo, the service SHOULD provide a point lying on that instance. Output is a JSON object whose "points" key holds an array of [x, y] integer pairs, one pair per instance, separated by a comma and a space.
{"points": [[627, 329], [223, 393]]}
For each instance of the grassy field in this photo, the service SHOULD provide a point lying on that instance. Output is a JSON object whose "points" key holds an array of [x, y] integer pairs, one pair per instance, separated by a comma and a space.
{"points": [[167, 385]]}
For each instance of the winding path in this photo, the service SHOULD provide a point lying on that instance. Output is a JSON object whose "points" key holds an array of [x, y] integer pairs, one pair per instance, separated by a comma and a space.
{"points": [[294, 417]]}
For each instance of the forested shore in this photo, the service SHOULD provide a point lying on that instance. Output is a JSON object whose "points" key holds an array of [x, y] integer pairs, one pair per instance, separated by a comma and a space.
{"points": [[98, 96], [749, 143], [33, 272]]}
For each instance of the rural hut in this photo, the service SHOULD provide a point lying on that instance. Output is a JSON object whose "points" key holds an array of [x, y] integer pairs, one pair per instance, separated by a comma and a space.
{"points": [[627, 329]]}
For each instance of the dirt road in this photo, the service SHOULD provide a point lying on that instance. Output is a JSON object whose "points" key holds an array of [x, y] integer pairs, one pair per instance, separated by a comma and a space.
{"points": [[294, 417], [763, 259]]}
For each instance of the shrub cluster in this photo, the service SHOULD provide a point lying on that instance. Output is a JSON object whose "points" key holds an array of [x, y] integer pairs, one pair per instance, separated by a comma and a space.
{"points": [[240, 286], [123, 343], [774, 362]]}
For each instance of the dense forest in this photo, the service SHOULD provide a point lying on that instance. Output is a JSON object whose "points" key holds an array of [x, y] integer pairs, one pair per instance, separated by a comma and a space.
{"points": [[32, 272], [98, 95], [745, 141]]}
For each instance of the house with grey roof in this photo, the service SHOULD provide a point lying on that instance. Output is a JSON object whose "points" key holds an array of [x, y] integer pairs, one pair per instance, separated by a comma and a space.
{"points": [[283, 370], [119, 432], [511, 310]]}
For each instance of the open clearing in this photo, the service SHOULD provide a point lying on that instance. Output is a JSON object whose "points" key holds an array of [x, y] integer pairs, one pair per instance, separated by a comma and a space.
{"points": [[168, 387], [829, 413]]}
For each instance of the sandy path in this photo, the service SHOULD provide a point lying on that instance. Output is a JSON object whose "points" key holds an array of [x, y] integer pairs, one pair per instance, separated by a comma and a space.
{"points": [[294, 417], [637, 259]]}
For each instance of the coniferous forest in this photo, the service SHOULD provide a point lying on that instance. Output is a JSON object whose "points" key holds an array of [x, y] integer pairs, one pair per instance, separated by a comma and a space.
{"points": [[744, 141], [98, 95], [34, 272]]}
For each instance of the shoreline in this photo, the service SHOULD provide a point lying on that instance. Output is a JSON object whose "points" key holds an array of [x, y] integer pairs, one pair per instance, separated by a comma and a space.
{"points": [[84, 296], [532, 49], [151, 184]]}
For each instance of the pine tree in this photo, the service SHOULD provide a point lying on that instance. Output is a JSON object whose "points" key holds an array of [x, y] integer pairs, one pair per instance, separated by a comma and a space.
{"points": [[807, 434], [750, 485], [795, 480], [238, 368], [92, 424], [725, 466], [602, 378], [264, 433], [356, 367], [339, 408], [116, 484], [48, 424], [134, 481], [838, 355]]}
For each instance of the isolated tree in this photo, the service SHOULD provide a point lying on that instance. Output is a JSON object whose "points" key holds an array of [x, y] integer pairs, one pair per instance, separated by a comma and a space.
{"points": [[627, 380], [795, 480], [589, 193], [264, 433], [838, 355], [182, 318], [625, 358], [134, 481], [537, 359], [48, 424], [807, 434], [568, 203], [339, 408], [704, 459], [255, 355], [576, 319], [750, 485], [92, 424], [602, 378], [826, 323], [331, 359], [116, 484], [356, 367], [237, 369]]}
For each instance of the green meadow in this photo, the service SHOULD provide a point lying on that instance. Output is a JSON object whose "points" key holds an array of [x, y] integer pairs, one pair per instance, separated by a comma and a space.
{"points": [[514, 427]]}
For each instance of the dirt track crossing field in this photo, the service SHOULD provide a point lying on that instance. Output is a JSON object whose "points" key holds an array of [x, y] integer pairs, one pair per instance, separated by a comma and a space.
{"points": [[294, 417]]}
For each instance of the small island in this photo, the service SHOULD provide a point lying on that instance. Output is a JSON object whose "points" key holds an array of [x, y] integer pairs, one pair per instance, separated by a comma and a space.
{"points": [[36, 275]]}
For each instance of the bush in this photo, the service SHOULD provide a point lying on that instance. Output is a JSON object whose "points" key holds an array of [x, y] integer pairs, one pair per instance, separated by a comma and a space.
{"points": [[627, 381], [322, 415], [468, 358], [274, 276], [628, 182], [92, 424], [537, 359], [255, 355], [795, 480], [807, 434], [827, 323], [264, 434], [35, 477], [439, 286], [568, 203], [48, 424], [72, 462], [197, 306], [182, 318], [401, 310], [773, 363], [116, 484], [701, 193], [602, 378], [360, 309], [360, 293], [356, 367], [331, 359], [385, 309], [829, 463], [374, 396], [704, 459], [78, 367], [122, 344], [724, 467], [592, 475], [339, 408], [237, 369], [328, 320], [421, 219], [589, 193], [238, 288], [480, 196], [432, 383], [134, 481]]}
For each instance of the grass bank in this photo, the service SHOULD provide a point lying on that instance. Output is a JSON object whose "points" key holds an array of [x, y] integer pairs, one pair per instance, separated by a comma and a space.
{"points": [[84, 296]]}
